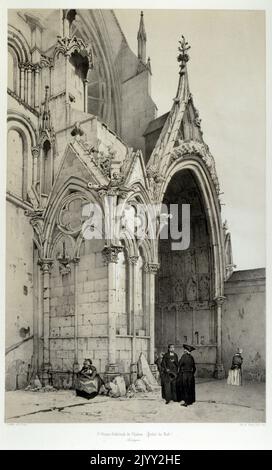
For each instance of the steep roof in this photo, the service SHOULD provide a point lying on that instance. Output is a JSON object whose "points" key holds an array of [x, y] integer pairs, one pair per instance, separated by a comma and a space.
{"points": [[156, 124]]}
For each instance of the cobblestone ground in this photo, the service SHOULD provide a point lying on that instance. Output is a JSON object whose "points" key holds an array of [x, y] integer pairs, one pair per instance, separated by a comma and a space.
{"points": [[216, 402]]}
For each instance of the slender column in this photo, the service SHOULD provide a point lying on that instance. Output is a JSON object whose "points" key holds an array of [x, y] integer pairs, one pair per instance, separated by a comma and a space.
{"points": [[219, 368], [146, 298], [18, 75], [35, 312], [76, 365], [132, 260], [22, 82], [66, 78], [25, 82], [151, 269], [130, 297], [46, 265], [110, 254], [85, 85], [29, 77], [35, 155], [67, 100], [36, 86]]}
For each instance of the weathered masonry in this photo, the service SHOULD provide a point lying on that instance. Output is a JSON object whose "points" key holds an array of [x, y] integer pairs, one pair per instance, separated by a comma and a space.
{"points": [[83, 129]]}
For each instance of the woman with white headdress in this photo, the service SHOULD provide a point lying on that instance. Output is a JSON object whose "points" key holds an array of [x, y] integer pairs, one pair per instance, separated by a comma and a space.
{"points": [[235, 372]]}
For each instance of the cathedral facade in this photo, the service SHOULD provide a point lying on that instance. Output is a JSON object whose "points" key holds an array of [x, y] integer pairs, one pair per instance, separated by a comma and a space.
{"points": [[84, 136]]}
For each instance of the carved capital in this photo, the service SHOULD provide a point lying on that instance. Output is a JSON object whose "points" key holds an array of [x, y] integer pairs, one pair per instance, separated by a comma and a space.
{"points": [[133, 259], [35, 151], [110, 253], [37, 68], [220, 300], [64, 269], [151, 267], [46, 265]]}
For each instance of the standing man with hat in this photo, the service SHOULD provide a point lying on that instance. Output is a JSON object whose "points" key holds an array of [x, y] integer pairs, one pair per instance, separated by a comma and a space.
{"points": [[169, 372], [186, 377]]}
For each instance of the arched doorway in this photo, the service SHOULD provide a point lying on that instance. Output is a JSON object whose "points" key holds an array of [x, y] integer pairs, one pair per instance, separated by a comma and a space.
{"points": [[185, 311]]}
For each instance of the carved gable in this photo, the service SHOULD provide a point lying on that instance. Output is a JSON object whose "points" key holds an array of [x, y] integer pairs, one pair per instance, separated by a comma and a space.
{"points": [[190, 127], [71, 166]]}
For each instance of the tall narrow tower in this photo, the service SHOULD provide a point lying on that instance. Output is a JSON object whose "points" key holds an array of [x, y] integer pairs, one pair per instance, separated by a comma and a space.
{"points": [[141, 37]]}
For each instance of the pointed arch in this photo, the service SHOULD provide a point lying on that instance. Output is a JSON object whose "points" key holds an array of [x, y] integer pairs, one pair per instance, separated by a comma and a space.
{"points": [[18, 42], [212, 210], [73, 188], [18, 123]]}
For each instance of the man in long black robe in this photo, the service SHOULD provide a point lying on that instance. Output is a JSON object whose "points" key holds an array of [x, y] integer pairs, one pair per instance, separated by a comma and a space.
{"points": [[169, 371], [186, 377]]}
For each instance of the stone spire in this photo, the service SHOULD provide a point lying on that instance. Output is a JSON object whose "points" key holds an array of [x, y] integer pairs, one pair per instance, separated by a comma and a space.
{"points": [[170, 130], [141, 37], [183, 91], [181, 135]]}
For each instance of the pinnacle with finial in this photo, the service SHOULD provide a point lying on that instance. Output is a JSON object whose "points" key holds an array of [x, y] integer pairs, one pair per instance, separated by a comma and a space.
{"points": [[183, 56], [141, 32], [46, 121]]}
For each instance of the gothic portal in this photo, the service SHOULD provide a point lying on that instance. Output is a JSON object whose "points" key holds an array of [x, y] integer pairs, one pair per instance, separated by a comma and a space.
{"points": [[83, 130]]}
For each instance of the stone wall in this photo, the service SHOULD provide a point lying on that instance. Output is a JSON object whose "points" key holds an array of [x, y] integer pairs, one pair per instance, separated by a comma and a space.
{"points": [[243, 321], [89, 308], [19, 297], [138, 109], [92, 287]]}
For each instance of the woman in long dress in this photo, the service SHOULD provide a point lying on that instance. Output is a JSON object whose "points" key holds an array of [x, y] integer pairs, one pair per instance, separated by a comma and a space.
{"points": [[235, 372], [88, 381]]}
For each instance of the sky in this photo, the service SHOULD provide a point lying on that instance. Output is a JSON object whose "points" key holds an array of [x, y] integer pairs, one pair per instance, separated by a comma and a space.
{"points": [[227, 79]]}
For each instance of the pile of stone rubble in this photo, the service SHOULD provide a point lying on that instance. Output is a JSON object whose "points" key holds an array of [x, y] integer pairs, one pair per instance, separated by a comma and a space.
{"points": [[145, 382], [116, 388]]}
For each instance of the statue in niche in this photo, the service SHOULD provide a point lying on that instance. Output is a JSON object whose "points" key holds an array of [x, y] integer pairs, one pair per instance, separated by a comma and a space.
{"points": [[191, 289], [165, 264], [204, 287], [187, 261], [177, 264], [178, 291], [165, 289]]}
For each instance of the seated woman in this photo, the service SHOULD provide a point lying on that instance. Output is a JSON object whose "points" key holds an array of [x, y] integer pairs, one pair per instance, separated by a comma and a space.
{"points": [[88, 381]]}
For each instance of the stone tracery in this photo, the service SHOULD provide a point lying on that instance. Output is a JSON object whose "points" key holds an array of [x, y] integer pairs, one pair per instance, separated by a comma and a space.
{"points": [[83, 312]]}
